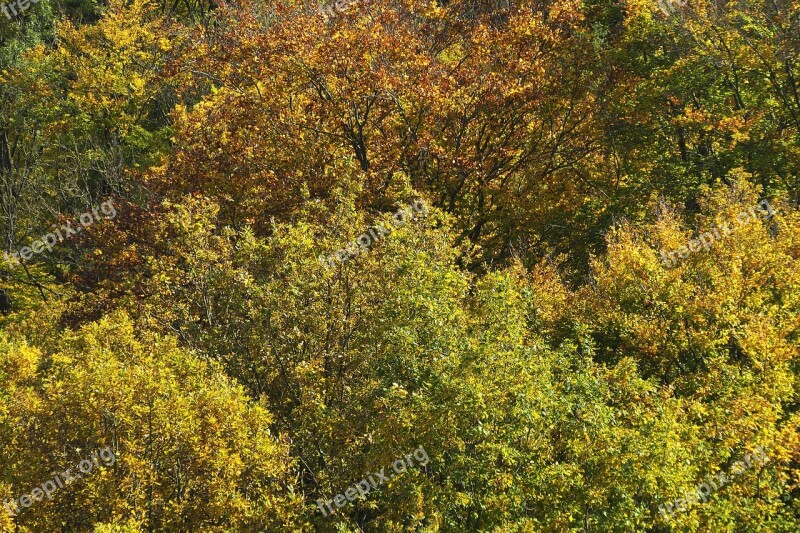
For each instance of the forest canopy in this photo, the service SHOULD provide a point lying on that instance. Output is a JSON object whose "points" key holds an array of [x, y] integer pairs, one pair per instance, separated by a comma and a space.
{"points": [[400, 265]]}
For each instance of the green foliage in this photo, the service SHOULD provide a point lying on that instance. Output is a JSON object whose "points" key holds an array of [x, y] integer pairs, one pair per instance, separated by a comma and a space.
{"points": [[190, 448]]}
